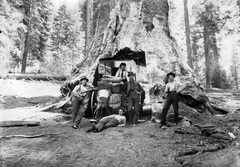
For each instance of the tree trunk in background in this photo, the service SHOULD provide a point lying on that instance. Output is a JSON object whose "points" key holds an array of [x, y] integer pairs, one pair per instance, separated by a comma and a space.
{"points": [[214, 62], [88, 37], [140, 26], [206, 53], [194, 50], [187, 31], [25, 53], [27, 21], [236, 77], [235, 66]]}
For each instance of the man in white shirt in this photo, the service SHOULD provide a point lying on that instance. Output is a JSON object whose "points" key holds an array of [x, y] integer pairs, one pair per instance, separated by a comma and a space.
{"points": [[172, 89], [80, 100], [122, 72], [110, 121]]}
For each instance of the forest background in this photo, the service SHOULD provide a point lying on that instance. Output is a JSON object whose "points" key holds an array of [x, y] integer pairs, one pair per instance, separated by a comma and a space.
{"points": [[49, 37]]}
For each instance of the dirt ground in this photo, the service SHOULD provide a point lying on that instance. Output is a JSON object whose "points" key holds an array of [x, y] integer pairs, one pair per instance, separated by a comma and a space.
{"points": [[145, 145]]}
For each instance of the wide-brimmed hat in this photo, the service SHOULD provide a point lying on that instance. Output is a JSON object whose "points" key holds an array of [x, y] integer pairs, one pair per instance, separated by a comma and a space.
{"points": [[84, 78], [131, 73], [122, 64], [171, 73]]}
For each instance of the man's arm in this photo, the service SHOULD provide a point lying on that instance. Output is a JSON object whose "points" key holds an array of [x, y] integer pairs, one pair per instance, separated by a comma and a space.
{"points": [[118, 73], [124, 122], [140, 89], [181, 87], [90, 85], [106, 117], [75, 91]]}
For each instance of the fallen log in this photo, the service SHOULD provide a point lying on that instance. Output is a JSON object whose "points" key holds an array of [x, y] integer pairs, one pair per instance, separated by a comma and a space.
{"points": [[194, 97], [43, 77], [29, 136], [18, 123]]}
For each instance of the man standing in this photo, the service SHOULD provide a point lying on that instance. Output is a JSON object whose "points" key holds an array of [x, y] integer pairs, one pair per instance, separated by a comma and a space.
{"points": [[80, 100], [134, 90], [110, 121], [122, 72], [172, 89]]}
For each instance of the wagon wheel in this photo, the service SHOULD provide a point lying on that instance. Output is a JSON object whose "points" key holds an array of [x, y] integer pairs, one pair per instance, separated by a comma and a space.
{"points": [[93, 102]]}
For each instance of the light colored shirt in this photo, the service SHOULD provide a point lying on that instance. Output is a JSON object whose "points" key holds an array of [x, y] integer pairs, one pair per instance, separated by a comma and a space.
{"points": [[121, 119], [79, 90], [121, 73], [172, 86]]}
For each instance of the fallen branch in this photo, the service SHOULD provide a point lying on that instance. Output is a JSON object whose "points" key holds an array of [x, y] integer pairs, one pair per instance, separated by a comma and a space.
{"points": [[185, 132], [196, 151], [18, 123], [205, 132], [29, 136]]}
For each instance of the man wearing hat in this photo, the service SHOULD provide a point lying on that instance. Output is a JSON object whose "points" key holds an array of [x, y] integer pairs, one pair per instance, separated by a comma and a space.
{"points": [[122, 72], [80, 100], [134, 90], [172, 89]]}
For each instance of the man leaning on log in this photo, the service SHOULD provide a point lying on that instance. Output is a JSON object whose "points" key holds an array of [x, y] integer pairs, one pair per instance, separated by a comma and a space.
{"points": [[80, 100], [172, 89]]}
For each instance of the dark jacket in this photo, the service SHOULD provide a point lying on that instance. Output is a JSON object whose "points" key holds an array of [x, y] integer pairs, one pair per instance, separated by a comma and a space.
{"points": [[137, 86]]}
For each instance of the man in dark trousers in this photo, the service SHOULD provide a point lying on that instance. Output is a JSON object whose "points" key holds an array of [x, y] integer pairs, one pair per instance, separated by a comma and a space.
{"points": [[80, 100], [172, 89], [134, 90]]}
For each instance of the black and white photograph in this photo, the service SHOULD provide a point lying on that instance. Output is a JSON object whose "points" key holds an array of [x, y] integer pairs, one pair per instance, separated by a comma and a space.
{"points": [[119, 83]]}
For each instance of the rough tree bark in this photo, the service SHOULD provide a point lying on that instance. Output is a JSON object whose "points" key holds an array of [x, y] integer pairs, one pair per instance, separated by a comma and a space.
{"points": [[140, 26], [187, 31], [206, 53], [235, 66], [89, 26], [27, 21]]}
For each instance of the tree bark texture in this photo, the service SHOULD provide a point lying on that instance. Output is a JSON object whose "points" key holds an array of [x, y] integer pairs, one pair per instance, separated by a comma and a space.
{"points": [[25, 53], [140, 25], [27, 21], [187, 31], [206, 53], [89, 20]]}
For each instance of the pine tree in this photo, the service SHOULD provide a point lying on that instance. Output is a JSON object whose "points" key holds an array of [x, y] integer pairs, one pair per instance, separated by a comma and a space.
{"points": [[235, 67], [63, 39], [36, 15], [208, 19], [62, 29], [219, 78]]}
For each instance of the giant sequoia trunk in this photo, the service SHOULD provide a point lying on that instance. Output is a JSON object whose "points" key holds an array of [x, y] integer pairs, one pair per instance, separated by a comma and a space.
{"points": [[140, 25]]}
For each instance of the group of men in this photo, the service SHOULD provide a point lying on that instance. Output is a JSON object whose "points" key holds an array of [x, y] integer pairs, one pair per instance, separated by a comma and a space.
{"points": [[133, 90]]}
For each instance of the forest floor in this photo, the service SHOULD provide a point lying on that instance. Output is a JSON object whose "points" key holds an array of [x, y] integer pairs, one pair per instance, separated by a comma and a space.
{"points": [[145, 145]]}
